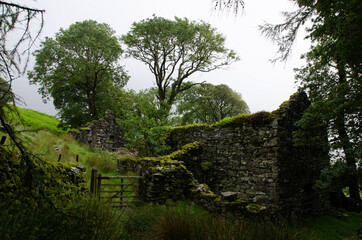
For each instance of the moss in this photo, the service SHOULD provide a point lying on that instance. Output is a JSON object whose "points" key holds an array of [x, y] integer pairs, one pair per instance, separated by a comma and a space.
{"points": [[206, 165], [253, 208], [76, 131], [184, 150], [231, 120], [237, 202], [167, 159], [280, 112], [190, 126], [210, 194], [261, 118], [255, 119], [224, 122], [59, 182], [256, 141]]}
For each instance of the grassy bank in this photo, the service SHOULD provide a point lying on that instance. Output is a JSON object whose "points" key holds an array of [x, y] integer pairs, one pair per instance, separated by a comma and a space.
{"points": [[40, 134], [89, 219]]}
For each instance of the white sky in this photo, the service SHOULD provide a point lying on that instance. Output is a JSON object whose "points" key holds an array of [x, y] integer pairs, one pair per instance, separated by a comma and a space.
{"points": [[263, 86]]}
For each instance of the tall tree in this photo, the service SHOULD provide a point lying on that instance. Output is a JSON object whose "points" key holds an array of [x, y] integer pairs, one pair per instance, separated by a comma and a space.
{"points": [[174, 50], [141, 117], [79, 69], [332, 76], [207, 103]]}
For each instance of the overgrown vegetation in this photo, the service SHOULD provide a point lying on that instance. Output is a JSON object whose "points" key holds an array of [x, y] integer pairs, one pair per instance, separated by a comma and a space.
{"points": [[334, 226], [87, 219], [331, 77], [39, 132], [84, 219]]}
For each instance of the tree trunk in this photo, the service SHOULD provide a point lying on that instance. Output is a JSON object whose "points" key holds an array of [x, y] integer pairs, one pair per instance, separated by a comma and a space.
{"points": [[92, 106], [344, 138]]}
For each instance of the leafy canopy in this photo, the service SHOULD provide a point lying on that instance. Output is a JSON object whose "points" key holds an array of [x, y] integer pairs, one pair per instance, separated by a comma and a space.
{"points": [[332, 76], [143, 118], [79, 69], [207, 103], [174, 50]]}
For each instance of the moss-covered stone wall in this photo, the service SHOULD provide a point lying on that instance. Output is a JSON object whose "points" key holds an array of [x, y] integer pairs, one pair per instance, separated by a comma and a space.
{"points": [[103, 134], [39, 182], [167, 180], [256, 157], [248, 159]]}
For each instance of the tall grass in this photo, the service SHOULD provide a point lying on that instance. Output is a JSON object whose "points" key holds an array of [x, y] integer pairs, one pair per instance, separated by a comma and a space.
{"points": [[40, 134], [191, 222], [91, 219], [87, 219], [49, 145]]}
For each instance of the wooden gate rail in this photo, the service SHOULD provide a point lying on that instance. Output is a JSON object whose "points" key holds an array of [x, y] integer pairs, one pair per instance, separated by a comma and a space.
{"points": [[97, 191]]}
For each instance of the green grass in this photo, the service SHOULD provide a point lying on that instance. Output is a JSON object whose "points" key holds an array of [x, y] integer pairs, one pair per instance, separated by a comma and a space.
{"points": [[41, 136], [86, 219], [91, 219], [36, 120], [185, 221], [334, 226]]}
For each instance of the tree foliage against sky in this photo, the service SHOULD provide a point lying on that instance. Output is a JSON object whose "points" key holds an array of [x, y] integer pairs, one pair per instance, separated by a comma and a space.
{"points": [[14, 55], [79, 69], [332, 76], [174, 50], [207, 103]]}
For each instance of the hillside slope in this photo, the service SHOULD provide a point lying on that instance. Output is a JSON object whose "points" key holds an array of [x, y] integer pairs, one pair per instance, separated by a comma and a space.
{"points": [[40, 134], [36, 120]]}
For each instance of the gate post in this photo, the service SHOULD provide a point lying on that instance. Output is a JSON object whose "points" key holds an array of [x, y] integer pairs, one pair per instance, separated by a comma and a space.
{"points": [[139, 190], [99, 185], [93, 185]]}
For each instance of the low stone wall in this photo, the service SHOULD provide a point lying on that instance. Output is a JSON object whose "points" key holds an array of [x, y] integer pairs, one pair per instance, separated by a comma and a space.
{"points": [[166, 179], [61, 183]]}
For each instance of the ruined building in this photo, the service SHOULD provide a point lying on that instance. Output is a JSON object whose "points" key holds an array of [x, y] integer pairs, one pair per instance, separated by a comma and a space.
{"points": [[254, 158], [102, 134]]}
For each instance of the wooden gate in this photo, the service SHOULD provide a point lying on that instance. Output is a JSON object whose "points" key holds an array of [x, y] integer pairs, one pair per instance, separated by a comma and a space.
{"points": [[119, 191]]}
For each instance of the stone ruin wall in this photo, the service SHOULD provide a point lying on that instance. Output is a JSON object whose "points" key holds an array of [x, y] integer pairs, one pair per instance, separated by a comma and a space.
{"points": [[102, 134], [249, 158], [258, 160]]}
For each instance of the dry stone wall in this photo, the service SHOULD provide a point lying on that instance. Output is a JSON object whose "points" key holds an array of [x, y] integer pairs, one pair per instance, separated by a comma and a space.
{"points": [[250, 159], [256, 158], [240, 157], [103, 134]]}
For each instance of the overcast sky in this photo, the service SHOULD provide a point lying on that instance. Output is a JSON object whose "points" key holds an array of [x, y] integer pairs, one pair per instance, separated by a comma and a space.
{"points": [[263, 86]]}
